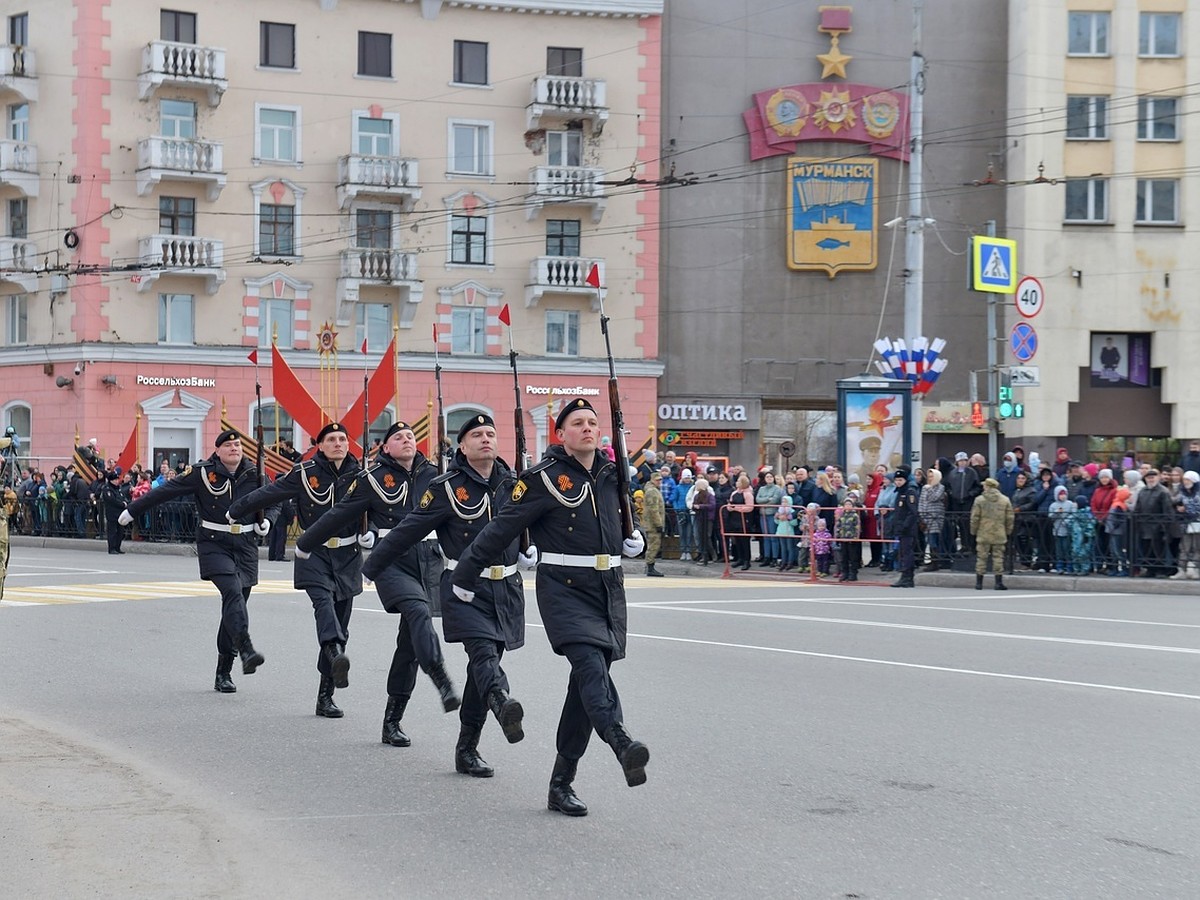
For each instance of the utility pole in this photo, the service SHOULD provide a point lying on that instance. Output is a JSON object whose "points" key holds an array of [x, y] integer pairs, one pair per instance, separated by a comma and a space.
{"points": [[993, 370], [914, 244]]}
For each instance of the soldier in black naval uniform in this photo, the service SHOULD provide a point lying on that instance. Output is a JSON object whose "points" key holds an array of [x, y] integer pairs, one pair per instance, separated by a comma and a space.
{"points": [[332, 576], [385, 494], [228, 551], [569, 503], [458, 505]]}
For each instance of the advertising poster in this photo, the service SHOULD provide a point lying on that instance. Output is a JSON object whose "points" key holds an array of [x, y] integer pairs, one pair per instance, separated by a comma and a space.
{"points": [[1120, 359], [874, 431]]}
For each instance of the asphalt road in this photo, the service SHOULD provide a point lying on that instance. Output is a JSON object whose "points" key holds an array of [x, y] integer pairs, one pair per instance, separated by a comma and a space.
{"points": [[806, 741]]}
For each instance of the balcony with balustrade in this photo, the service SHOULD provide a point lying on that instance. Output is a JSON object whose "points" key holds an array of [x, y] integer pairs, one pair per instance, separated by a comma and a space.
{"points": [[562, 275], [19, 166], [391, 179], [18, 71], [378, 267], [175, 65], [180, 159], [19, 262], [557, 99], [566, 186], [176, 254]]}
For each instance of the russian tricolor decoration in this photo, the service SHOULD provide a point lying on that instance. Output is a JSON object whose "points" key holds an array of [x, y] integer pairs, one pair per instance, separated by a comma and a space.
{"points": [[921, 364]]}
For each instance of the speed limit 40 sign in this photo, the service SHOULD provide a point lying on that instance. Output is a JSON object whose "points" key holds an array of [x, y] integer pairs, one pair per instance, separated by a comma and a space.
{"points": [[1030, 296]]}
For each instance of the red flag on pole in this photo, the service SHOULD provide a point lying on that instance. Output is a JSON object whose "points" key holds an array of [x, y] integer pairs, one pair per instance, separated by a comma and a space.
{"points": [[593, 276], [253, 357], [504, 316], [364, 346], [129, 455], [435, 332], [381, 388], [293, 396]]}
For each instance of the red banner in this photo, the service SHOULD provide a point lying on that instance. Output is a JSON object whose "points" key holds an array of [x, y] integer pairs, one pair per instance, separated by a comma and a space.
{"points": [[381, 389], [294, 397], [129, 455]]}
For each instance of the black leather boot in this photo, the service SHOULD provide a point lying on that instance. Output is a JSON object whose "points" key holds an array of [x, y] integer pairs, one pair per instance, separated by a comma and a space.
{"points": [[392, 714], [1000, 585], [979, 582], [906, 580], [508, 713], [467, 760], [325, 705], [651, 572], [223, 682], [562, 796], [441, 681], [251, 658], [339, 663], [633, 755]]}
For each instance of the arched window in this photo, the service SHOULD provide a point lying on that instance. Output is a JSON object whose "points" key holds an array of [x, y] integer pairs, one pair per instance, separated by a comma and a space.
{"points": [[276, 422], [456, 416], [19, 417], [380, 426]]}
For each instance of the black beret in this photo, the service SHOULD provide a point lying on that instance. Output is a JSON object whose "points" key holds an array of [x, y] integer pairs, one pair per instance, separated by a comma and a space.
{"points": [[568, 408], [332, 428], [229, 434], [396, 427], [477, 421]]}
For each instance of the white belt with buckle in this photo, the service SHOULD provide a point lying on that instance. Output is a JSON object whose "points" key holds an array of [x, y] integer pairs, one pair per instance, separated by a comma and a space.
{"points": [[492, 573], [234, 528], [334, 542], [601, 562]]}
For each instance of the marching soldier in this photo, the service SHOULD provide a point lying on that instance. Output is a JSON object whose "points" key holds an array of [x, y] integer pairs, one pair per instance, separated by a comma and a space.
{"points": [[570, 504], [228, 551], [458, 505], [385, 494], [332, 575]]}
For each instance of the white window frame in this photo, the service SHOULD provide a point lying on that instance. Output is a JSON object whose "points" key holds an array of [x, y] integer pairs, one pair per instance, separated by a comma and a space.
{"points": [[364, 328], [485, 209], [1145, 202], [1149, 22], [26, 450], [18, 122], [477, 333], [356, 135], [163, 119], [565, 319], [1147, 117], [1095, 16], [298, 192], [1096, 113], [164, 328], [270, 315], [1092, 186], [16, 320], [558, 144], [259, 158], [484, 127]]}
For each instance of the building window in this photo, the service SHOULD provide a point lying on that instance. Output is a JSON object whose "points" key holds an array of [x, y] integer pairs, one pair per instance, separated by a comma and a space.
{"points": [[373, 323], [177, 119], [1087, 118], [18, 30], [467, 329], [470, 62], [562, 332], [375, 54], [1157, 118], [1157, 201], [471, 148], [468, 240], [1087, 34], [562, 237], [18, 122], [564, 61], [1087, 200], [564, 148], [175, 321], [373, 229], [277, 424], [19, 417], [277, 137], [177, 215], [275, 319], [276, 45], [373, 136], [1158, 34], [16, 320], [179, 27], [276, 230], [18, 218]]}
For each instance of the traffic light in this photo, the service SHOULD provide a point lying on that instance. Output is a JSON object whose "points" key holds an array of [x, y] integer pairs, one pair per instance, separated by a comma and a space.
{"points": [[1008, 409], [977, 414]]}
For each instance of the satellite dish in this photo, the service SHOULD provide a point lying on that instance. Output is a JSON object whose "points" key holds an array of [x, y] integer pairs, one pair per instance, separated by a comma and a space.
{"points": [[787, 448]]}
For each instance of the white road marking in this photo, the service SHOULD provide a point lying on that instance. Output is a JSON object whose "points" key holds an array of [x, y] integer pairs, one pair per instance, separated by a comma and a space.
{"points": [[111, 592]]}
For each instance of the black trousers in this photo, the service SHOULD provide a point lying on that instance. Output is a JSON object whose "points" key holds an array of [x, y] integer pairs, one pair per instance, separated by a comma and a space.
{"points": [[592, 701], [277, 541], [484, 675], [115, 533], [417, 646], [332, 615], [234, 618], [905, 555]]}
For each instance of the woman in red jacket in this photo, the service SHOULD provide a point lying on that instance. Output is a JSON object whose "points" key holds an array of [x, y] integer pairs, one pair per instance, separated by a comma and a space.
{"points": [[1102, 501]]}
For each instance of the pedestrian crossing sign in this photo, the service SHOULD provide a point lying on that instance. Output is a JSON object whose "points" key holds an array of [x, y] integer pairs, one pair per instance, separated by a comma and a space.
{"points": [[993, 265]]}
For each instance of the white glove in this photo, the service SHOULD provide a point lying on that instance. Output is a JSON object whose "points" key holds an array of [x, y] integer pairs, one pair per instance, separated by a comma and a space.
{"points": [[261, 528], [633, 546], [228, 518], [367, 541], [300, 554], [529, 558], [124, 518], [463, 594]]}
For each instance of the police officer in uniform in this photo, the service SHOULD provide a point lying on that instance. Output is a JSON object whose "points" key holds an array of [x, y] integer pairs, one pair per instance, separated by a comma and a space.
{"points": [[385, 494], [458, 505], [570, 504], [228, 551], [332, 575], [115, 503], [904, 525]]}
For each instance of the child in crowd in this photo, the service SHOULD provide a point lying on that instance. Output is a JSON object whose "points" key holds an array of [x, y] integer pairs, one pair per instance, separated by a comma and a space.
{"points": [[808, 524], [1061, 512], [785, 530], [822, 546], [847, 530]]}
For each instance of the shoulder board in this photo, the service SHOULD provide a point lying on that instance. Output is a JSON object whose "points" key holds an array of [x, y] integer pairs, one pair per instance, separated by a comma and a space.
{"points": [[540, 467], [442, 479]]}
